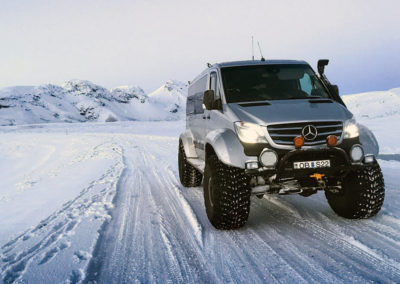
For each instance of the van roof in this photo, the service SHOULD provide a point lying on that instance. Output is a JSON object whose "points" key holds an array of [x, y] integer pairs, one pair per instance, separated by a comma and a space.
{"points": [[257, 62]]}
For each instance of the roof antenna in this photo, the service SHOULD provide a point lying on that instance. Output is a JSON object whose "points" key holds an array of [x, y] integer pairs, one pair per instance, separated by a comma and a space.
{"points": [[262, 57], [209, 65], [252, 48]]}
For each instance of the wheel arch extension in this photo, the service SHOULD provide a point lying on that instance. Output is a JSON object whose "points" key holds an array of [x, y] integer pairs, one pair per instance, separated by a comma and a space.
{"points": [[186, 138], [225, 144], [368, 140]]}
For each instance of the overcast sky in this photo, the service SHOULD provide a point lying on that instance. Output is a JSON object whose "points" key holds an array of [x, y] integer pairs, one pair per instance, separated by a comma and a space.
{"points": [[146, 43]]}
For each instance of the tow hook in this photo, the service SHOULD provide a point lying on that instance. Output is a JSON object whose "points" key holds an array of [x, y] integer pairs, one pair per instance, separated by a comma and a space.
{"points": [[318, 178]]}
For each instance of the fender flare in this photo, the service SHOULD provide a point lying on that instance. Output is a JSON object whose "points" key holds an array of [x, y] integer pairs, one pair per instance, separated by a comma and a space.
{"points": [[188, 145], [368, 140], [227, 147]]}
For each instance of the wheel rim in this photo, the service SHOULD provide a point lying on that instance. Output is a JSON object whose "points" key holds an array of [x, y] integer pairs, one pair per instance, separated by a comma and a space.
{"points": [[210, 192]]}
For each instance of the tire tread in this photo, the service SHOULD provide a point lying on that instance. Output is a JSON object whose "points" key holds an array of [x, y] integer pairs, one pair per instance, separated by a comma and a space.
{"points": [[367, 194], [232, 195], [188, 175]]}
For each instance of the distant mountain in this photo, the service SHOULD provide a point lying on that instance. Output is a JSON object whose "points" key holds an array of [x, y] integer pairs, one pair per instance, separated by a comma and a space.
{"points": [[81, 101], [172, 96]]}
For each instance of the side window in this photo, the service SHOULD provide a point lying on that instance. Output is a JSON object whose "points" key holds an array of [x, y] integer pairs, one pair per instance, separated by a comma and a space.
{"points": [[194, 103], [198, 103], [190, 105]]}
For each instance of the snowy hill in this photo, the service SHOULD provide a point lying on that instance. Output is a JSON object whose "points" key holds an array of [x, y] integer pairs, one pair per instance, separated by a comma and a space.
{"points": [[172, 96], [80, 101], [372, 105], [379, 111]]}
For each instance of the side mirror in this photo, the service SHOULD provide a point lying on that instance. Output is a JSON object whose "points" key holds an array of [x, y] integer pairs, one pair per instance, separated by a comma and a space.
{"points": [[208, 99], [321, 66], [335, 90]]}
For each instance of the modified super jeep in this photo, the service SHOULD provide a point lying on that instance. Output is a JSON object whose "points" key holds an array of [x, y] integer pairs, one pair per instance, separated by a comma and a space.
{"points": [[275, 127]]}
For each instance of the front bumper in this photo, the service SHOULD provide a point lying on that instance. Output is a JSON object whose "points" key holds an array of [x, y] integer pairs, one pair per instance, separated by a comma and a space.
{"points": [[340, 164]]}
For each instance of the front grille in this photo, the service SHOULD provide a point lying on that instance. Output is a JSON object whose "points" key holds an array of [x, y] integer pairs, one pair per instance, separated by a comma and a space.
{"points": [[283, 134]]}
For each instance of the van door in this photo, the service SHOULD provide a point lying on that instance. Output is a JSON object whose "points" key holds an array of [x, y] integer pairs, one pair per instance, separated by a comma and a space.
{"points": [[196, 121]]}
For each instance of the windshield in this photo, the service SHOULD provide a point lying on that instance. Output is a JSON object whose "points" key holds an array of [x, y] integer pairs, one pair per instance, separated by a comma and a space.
{"points": [[271, 82]]}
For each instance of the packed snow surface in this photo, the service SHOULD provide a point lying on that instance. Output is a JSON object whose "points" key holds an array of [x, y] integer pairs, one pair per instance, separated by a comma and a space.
{"points": [[102, 202]]}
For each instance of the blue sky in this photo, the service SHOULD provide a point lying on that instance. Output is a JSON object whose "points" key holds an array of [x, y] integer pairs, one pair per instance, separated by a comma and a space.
{"points": [[148, 42]]}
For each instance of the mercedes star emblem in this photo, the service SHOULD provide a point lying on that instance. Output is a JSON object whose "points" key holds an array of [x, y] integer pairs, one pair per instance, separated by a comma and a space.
{"points": [[309, 132]]}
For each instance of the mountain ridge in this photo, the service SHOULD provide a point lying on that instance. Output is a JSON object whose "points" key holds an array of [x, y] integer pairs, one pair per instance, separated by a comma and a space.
{"points": [[82, 101]]}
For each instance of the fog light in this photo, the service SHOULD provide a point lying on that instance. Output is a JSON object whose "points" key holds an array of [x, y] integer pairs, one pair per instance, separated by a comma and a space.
{"points": [[298, 141], [368, 159], [356, 153], [331, 140], [252, 165], [268, 158]]}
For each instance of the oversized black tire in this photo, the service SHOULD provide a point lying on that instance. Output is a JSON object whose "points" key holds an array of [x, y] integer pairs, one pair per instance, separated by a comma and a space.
{"points": [[362, 194], [226, 195], [188, 175]]}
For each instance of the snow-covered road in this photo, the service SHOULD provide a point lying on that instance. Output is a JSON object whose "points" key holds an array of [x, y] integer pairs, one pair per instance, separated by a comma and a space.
{"points": [[158, 230]]}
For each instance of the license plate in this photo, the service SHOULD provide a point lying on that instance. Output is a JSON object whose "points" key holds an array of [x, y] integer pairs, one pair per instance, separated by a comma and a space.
{"points": [[312, 164]]}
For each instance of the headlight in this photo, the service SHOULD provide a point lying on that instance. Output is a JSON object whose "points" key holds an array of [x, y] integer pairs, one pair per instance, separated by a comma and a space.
{"points": [[350, 129], [250, 132]]}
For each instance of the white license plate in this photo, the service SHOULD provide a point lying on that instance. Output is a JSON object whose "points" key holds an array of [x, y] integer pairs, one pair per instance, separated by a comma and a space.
{"points": [[312, 164]]}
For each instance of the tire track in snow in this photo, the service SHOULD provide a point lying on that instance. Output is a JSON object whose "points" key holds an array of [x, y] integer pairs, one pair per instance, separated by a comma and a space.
{"points": [[160, 232], [42, 243], [140, 243], [163, 234], [336, 253], [344, 255]]}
